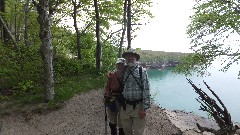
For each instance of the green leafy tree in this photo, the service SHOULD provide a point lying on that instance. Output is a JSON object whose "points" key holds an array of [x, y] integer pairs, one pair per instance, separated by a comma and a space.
{"points": [[214, 33]]}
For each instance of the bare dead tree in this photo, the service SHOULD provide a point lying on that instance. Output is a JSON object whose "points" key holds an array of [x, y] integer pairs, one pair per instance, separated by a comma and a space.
{"points": [[218, 112]]}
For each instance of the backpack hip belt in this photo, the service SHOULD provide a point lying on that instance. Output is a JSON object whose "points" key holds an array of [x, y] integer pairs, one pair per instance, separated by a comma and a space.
{"points": [[134, 103]]}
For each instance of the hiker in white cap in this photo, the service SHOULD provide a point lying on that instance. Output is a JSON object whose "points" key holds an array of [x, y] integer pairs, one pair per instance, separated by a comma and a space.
{"points": [[112, 90], [136, 95]]}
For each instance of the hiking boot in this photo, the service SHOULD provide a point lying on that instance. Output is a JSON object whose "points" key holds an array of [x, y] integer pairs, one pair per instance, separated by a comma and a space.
{"points": [[113, 128], [120, 131]]}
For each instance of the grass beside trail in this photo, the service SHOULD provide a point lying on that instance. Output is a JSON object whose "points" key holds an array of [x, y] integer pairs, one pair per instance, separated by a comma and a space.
{"points": [[64, 90]]}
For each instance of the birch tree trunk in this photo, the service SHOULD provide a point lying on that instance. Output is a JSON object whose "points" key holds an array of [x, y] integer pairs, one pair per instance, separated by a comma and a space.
{"points": [[45, 35], [99, 46]]}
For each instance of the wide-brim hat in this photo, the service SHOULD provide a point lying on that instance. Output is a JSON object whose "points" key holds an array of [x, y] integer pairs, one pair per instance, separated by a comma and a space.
{"points": [[131, 52]]}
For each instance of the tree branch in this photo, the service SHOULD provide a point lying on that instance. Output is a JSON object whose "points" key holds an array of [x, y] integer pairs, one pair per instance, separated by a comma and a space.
{"points": [[89, 24], [7, 30], [111, 34]]}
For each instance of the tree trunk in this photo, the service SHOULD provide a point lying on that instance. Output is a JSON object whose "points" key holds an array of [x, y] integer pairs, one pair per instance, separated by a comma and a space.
{"points": [[26, 10], [45, 35], [77, 30], [15, 22], [99, 46], [129, 38], [123, 29], [5, 33], [2, 9]]}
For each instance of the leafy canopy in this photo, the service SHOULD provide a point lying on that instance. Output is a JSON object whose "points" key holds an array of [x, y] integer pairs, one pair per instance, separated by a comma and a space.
{"points": [[214, 33]]}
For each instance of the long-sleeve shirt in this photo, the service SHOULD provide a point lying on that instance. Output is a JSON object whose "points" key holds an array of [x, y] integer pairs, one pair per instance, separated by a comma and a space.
{"points": [[113, 83], [131, 89]]}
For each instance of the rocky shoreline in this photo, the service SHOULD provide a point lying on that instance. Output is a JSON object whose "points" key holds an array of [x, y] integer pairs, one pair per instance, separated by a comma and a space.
{"points": [[84, 115]]}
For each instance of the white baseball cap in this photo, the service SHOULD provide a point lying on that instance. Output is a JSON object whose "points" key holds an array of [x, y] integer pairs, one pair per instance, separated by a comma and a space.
{"points": [[120, 60]]}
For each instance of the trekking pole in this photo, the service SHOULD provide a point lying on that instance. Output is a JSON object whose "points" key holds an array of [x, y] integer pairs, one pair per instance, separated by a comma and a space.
{"points": [[105, 118]]}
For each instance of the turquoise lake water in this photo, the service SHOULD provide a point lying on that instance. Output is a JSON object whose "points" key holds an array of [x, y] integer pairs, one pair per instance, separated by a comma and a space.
{"points": [[172, 91]]}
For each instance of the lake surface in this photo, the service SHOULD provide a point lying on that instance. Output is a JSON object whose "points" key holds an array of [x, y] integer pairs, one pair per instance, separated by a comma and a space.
{"points": [[172, 91]]}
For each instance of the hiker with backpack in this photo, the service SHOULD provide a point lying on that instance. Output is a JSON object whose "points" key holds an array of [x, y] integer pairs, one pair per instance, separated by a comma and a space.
{"points": [[135, 95], [112, 90]]}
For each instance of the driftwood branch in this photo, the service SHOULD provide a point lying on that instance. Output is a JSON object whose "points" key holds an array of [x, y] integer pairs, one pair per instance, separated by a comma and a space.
{"points": [[218, 112]]}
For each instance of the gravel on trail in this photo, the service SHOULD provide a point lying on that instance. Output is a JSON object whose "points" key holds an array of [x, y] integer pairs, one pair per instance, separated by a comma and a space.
{"points": [[84, 115]]}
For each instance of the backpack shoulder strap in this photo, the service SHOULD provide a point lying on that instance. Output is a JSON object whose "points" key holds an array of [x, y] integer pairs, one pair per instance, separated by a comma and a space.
{"points": [[140, 72]]}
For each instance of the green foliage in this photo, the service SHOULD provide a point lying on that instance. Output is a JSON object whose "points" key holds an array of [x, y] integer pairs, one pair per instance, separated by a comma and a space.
{"points": [[76, 84], [21, 70], [65, 67], [18, 66], [4, 98], [87, 41], [192, 64], [64, 90], [14, 17], [25, 86], [63, 40], [66, 62], [110, 56], [214, 33]]}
